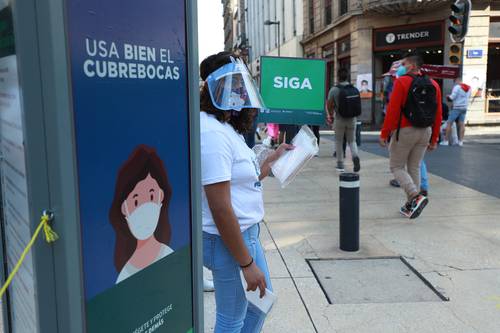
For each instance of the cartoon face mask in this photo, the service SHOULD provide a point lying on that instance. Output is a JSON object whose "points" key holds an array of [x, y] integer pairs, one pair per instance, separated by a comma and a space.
{"points": [[143, 221]]}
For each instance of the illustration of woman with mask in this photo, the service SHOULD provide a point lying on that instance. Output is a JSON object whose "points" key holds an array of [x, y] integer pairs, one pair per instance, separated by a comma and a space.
{"points": [[139, 213]]}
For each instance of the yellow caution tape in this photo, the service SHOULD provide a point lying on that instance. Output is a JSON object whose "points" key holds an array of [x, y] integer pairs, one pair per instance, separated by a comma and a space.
{"points": [[50, 237]]}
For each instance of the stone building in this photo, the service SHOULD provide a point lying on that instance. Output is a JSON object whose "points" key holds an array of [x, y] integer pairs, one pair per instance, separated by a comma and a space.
{"points": [[366, 36], [267, 40], [235, 22]]}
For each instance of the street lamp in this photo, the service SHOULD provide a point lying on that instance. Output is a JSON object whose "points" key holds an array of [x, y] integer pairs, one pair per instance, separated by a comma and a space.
{"points": [[269, 22]]}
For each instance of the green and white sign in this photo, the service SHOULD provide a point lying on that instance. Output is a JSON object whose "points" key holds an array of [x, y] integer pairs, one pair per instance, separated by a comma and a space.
{"points": [[293, 90]]}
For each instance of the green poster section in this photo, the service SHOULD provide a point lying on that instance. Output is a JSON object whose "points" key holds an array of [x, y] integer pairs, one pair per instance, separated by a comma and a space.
{"points": [[293, 90], [7, 46], [157, 299], [292, 117], [293, 83]]}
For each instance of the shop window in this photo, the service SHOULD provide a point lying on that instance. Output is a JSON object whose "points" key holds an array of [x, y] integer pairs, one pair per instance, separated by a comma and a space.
{"points": [[311, 16], [328, 12], [493, 79], [344, 7], [495, 28], [344, 47]]}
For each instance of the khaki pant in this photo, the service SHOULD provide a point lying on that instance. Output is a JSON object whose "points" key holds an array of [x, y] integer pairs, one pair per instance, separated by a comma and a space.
{"points": [[347, 127], [406, 155]]}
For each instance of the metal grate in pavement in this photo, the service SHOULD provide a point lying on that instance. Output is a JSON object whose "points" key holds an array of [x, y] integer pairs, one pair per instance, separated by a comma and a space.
{"points": [[377, 280]]}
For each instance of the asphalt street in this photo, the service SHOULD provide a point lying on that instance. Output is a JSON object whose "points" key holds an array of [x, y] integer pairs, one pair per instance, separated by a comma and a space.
{"points": [[475, 165]]}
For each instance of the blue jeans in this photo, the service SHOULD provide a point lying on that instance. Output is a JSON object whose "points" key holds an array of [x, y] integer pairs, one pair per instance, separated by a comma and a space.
{"points": [[233, 312], [457, 114], [424, 178]]}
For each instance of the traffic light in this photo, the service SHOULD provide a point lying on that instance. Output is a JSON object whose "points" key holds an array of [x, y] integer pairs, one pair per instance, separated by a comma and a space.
{"points": [[459, 19], [456, 54]]}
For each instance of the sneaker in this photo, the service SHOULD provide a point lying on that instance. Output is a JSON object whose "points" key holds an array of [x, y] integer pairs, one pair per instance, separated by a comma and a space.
{"points": [[357, 166], [425, 193], [460, 143], [406, 210], [417, 205], [444, 143], [394, 183], [340, 167]]}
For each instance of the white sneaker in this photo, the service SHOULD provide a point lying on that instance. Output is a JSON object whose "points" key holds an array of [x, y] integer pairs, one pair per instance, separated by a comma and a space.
{"points": [[460, 143], [444, 143]]}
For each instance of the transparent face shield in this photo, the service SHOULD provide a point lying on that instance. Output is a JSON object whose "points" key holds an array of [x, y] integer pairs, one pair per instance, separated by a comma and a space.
{"points": [[231, 87]]}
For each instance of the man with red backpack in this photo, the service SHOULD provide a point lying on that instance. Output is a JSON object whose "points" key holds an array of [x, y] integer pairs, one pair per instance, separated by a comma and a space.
{"points": [[413, 121], [345, 100]]}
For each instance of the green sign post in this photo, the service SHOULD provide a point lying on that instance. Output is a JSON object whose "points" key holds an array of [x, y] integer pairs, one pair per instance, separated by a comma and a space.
{"points": [[293, 90]]}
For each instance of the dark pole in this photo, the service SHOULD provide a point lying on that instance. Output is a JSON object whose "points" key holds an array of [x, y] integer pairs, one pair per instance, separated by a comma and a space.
{"points": [[279, 53], [349, 212]]}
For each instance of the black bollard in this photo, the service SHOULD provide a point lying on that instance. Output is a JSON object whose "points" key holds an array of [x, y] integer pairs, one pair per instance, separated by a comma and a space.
{"points": [[349, 212]]}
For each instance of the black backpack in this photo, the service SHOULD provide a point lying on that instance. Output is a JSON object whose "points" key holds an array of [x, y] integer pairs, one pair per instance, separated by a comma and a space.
{"points": [[349, 101], [421, 106]]}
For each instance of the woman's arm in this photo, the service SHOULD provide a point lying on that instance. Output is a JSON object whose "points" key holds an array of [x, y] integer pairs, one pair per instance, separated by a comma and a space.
{"points": [[219, 201]]}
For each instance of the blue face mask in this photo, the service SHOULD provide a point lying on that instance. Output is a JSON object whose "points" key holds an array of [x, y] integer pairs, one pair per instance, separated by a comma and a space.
{"points": [[401, 71]]}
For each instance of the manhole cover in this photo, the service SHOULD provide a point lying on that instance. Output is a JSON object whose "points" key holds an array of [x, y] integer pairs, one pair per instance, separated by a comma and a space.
{"points": [[387, 280]]}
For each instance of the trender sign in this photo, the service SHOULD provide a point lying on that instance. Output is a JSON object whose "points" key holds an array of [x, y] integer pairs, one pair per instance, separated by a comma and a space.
{"points": [[408, 36], [293, 90]]}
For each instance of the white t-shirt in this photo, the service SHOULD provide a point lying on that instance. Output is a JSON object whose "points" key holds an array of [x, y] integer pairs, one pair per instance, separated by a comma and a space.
{"points": [[128, 270], [226, 157]]}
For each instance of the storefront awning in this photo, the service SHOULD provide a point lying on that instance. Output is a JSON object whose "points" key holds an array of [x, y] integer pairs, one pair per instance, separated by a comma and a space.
{"points": [[434, 71]]}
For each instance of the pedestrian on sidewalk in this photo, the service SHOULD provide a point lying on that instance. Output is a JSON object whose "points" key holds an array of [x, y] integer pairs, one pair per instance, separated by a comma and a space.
{"points": [[232, 203], [287, 133], [424, 180], [344, 106], [413, 119], [460, 96]]}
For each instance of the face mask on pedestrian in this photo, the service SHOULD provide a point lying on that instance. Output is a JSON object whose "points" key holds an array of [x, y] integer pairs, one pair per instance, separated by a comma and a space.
{"points": [[143, 221], [401, 71]]}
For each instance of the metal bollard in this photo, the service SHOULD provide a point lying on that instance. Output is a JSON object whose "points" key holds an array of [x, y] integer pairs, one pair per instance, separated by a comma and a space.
{"points": [[359, 126], [349, 212]]}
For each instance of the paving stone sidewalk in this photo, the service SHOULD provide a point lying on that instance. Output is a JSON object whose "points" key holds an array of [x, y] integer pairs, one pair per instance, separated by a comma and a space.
{"points": [[454, 245]]}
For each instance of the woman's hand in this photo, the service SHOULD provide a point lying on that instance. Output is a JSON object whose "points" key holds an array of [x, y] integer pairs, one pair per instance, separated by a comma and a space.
{"points": [[279, 152], [265, 169], [255, 279]]}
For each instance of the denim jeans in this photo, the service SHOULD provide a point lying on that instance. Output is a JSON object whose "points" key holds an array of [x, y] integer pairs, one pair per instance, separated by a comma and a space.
{"points": [[233, 312], [424, 178]]}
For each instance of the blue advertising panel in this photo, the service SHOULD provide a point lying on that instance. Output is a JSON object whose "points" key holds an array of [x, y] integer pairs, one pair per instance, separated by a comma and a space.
{"points": [[131, 120]]}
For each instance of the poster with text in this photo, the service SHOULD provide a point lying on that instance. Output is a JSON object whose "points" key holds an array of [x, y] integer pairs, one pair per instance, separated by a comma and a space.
{"points": [[131, 118]]}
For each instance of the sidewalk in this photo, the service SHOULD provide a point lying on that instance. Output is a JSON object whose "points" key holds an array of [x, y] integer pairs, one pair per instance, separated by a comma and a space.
{"points": [[455, 245]]}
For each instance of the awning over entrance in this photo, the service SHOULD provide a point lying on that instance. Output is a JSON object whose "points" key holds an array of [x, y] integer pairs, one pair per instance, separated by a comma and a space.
{"points": [[401, 7]]}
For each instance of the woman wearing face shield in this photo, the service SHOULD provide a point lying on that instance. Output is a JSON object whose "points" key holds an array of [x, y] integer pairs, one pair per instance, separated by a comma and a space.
{"points": [[232, 203]]}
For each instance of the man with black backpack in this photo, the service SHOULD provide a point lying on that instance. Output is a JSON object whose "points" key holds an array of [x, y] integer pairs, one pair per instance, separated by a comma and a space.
{"points": [[413, 121], [345, 100]]}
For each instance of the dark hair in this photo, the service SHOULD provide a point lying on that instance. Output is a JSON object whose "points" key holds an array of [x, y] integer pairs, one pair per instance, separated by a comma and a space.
{"points": [[343, 74], [364, 81], [415, 58], [142, 162], [241, 121]]}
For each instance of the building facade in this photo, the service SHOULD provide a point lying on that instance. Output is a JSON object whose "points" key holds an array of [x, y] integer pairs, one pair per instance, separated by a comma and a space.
{"points": [[282, 36], [366, 36]]}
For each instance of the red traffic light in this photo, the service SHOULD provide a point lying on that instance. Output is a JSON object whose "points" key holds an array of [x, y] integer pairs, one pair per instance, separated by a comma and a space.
{"points": [[455, 20]]}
